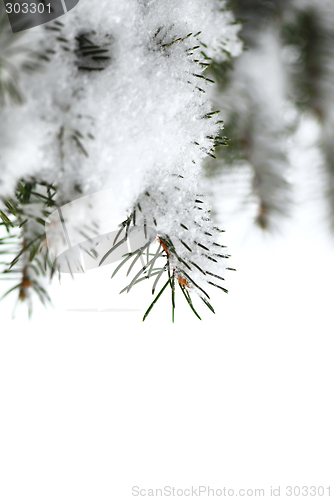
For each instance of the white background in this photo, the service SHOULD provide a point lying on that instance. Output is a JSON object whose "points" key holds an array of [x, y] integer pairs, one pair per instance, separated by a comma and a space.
{"points": [[93, 403]]}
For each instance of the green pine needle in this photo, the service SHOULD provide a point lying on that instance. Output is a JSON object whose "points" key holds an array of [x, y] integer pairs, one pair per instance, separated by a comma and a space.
{"points": [[156, 299], [189, 301]]}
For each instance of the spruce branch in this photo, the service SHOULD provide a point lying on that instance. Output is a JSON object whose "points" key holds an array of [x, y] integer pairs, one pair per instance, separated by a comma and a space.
{"points": [[24, 221]]}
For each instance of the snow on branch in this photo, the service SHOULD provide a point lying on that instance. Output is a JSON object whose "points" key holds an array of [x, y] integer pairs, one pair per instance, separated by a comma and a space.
{"points": [[119, 102]]}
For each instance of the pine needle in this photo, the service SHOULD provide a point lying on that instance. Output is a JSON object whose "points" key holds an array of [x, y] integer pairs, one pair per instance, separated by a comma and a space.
{"points": [[156, 299], [188, 299]]}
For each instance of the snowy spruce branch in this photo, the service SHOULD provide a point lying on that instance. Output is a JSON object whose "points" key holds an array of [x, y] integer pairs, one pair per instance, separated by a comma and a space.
{"points": [[285, 74], [117, 99]]}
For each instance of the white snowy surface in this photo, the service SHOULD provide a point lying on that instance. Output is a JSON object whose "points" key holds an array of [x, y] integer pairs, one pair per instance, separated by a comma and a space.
{"points": [[94, 403]]}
